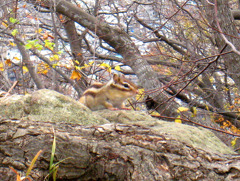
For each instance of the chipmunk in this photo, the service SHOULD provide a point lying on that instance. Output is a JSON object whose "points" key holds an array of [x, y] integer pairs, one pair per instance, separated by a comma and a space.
{"points": [[110, 95]]}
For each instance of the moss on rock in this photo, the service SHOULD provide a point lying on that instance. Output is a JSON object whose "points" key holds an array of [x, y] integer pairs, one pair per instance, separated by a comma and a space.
{"points": [[48, 105]]}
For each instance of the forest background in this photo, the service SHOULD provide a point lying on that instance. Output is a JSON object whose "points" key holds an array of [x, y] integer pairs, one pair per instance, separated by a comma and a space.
{"points": [[184, 54]]}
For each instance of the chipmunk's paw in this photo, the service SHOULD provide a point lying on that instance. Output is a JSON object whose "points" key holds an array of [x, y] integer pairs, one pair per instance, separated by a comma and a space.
{"points": [[125, 108], [113, 109]]}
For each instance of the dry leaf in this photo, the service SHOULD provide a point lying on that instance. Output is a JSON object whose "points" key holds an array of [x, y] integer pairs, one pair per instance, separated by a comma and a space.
{"points": [[75, 75]]}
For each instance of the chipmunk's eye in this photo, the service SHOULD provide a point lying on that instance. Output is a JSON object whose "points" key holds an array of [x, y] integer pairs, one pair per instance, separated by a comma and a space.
{"points": [[126, 85]]}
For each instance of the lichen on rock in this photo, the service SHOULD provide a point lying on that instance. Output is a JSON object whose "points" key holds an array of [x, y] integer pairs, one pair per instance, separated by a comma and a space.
{"points": [[49, 106]]}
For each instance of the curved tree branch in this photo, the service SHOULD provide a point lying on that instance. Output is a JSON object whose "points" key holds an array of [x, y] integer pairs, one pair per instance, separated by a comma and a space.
{"points": [[122, 43]]}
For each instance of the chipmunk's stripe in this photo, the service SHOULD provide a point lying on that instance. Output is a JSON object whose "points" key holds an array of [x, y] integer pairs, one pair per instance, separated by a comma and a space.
{"points": [[120, 87], [97, 86], [131, 83]]}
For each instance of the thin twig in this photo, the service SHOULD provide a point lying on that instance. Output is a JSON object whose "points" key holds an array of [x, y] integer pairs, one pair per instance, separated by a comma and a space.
{"points": [[14, 84]]}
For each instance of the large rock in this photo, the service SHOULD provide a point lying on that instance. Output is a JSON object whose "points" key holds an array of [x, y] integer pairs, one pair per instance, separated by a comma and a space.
{"points": [[50, 106], [105, 145]]}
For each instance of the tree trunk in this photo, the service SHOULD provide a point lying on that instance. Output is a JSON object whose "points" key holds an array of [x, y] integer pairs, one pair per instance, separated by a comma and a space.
{"points": [[226, 21], [75, 43], [107, 152]]}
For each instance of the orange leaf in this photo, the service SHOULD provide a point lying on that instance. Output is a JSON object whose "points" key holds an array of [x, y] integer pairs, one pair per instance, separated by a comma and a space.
{"points": [[45, 35], [15, 171], [16, 58], [4, 24], [75, 75], [43, 68], [8, 62]]}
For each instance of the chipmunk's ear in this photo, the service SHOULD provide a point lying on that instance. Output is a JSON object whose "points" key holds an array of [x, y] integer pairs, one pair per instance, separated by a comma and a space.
{"points": [[116, 77]]}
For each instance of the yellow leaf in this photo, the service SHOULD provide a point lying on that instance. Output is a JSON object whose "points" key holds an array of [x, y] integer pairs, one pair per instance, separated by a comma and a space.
{"points": [[77, 62], [211, 79], [155, 113], [84, 66], [233, 142], [78, 68], [140, 94], [12, 44], [54, 65], [39, 30], [1, 67], [194, 111], [75, 75], [90, 63], [178, 120], [25, 69], [207, 107], [54, 57], [182, 109], [226, 89], [5, 24], [141, 91], [118, 68], [109, 69], [105, 65]]}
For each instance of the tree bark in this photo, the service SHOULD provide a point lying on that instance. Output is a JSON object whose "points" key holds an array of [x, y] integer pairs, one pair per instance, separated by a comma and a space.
{"points": [[107, 152], [226, 21]]}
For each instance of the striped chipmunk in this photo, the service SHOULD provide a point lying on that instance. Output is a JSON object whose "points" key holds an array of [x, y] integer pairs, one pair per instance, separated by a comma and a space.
{"points": [[110, 95]]}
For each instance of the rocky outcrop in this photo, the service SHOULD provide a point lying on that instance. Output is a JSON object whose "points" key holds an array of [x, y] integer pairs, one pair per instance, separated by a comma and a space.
{"points": [[105, 145]]}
